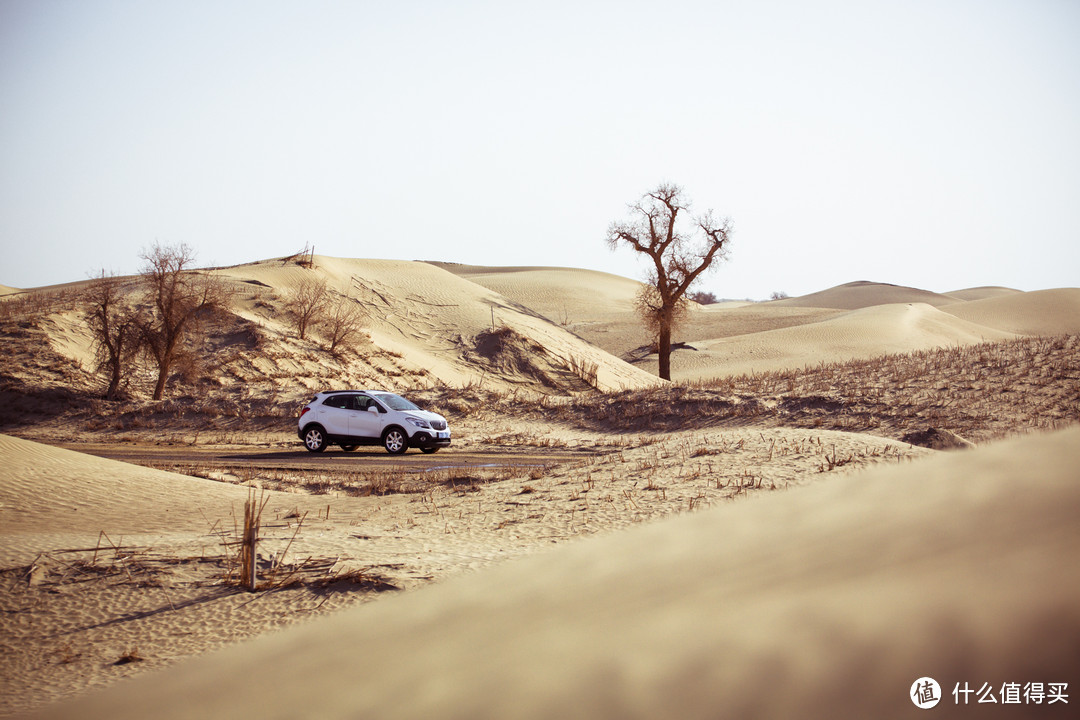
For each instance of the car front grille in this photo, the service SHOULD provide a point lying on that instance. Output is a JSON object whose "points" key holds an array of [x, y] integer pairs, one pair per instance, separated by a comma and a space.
{"points": [[438, 425]]}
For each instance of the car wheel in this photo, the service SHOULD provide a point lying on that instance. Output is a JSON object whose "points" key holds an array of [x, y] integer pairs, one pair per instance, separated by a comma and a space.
{"points": [[349, 448], [395, 441], [315, 439], [429, 451]]}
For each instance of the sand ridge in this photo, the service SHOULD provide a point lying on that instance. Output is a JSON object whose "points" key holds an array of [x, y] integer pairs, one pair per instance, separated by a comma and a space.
{"points": [[1040, 312]]}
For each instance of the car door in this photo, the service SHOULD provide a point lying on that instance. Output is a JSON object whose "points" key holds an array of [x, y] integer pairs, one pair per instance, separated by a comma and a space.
{"points": [[334, 414], [362, 421]]}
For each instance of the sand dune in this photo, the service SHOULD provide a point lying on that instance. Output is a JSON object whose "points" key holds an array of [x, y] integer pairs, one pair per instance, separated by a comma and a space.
{"points": [[1042, 312], [425, 322], [599, 307], [861, 294], [428, 315], [826, 601], [862, 333], [981, 293], [555, 292], [422, 326], [52, 498]]}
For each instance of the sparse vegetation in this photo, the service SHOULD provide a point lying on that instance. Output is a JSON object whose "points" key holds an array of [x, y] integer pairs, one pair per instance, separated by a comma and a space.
{"points": [[308, 298], [343, 323], [981, 392], [703, 298]]}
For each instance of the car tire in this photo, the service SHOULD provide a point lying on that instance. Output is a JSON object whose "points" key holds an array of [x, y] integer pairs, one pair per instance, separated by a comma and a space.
{"points": [[314, 438], [349, 448], [395, 441], [429, 451]]}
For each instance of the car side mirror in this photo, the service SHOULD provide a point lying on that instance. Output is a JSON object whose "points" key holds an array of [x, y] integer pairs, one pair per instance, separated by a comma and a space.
{"points": [[373, 409]]}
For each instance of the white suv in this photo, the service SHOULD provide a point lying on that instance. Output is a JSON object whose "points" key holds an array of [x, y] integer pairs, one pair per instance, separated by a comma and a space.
{"points": [[351, 418]]}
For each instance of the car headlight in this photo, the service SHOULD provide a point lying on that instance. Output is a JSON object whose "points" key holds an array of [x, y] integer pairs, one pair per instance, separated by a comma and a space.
{"points": [[419, 423]]}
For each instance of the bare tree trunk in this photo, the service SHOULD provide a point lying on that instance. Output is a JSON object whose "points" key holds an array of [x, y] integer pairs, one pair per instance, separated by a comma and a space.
{"points": [[159, 388], [115, 376], [663, 345]]}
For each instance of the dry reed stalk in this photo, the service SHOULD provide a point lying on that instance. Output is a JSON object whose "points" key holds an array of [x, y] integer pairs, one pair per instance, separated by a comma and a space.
{"points": [[253, 510]]}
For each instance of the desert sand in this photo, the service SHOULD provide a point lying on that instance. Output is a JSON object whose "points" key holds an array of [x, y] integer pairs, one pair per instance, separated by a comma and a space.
{"points": [[734, 545], [823, 601]]}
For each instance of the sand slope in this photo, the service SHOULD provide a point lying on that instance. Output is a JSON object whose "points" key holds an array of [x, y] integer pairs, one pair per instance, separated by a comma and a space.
{"points": [[429, 316], [54, 498], [982, 292], [555, 291], [1041, 312], [826, 601], [860, 294], [862, 333]]}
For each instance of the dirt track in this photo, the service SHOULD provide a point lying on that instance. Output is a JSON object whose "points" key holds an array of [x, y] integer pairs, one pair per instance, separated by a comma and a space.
{"points": [[365, 458]]}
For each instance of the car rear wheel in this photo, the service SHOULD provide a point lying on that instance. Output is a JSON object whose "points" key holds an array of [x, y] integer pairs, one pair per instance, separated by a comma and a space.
{"points": [[315, 439], [395, 441]]}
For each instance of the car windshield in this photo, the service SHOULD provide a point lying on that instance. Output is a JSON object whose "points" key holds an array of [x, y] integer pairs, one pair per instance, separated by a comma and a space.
{"points": [[394, 402]]}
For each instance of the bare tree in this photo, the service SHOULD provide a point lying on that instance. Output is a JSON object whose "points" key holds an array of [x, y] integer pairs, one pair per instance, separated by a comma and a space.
{"points": [[308, 298], [115, 326], [343, 322], [680, 247], [177, 295]]}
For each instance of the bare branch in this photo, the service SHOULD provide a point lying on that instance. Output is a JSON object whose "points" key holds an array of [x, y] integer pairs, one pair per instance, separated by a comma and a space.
{"points": [[308, 299], [115, 327]]}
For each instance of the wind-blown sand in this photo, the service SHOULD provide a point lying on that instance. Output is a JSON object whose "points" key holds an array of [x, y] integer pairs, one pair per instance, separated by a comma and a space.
{"points": [[826, 601]]}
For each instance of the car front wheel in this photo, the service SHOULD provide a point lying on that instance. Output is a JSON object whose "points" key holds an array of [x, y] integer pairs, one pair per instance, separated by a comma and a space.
{"points": [[315, 439], [395, 441]]}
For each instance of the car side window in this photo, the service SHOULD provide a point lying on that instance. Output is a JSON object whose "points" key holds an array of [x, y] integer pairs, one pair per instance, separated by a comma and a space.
{"points": [[360, 402], [336, 401], [366, 402]]}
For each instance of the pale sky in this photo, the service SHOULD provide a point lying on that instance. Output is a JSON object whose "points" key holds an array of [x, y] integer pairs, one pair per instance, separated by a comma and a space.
{"points": [[932, 143]]}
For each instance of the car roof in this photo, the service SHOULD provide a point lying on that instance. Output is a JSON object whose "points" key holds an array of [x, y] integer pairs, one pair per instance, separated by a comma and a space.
{"points": [[339, 392]]}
